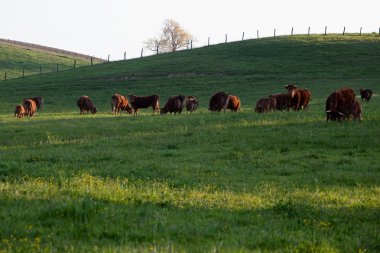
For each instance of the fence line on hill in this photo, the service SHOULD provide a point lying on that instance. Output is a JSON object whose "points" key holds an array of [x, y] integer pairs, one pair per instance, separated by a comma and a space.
{"points": [[189, 46]]}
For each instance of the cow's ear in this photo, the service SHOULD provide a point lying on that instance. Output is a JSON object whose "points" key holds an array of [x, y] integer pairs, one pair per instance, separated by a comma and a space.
{"points": [[295, 86]]}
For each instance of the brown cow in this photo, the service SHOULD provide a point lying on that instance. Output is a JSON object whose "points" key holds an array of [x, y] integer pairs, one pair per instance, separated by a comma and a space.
{"points": [[19, 111], [219, 101], [191, 103], [119, 102], [297, 98], [175, 104], [265, 105], [85, 105], [38, 100], [279, 101], [145, 102], [234, 103], [341, 104], [30, 107], [366, 94]]}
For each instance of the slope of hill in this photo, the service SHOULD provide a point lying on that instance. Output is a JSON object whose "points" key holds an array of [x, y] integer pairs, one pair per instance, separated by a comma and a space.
{"points": [[18, 59]]}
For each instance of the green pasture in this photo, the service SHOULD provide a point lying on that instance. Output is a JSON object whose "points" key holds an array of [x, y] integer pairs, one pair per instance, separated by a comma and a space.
{"points": [[200, 182]]}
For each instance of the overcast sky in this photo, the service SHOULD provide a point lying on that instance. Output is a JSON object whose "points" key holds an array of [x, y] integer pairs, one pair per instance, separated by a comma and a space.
{"points": [[102, 27]]}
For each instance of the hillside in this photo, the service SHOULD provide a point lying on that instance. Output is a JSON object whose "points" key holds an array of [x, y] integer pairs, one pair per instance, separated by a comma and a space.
{"points": [[200, 182], [18, 56], [310, 61]]}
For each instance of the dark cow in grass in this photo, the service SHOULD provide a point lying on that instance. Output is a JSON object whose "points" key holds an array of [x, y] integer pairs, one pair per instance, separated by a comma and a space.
{"points": [[30, 107], [342, 104], [297, 98], [366, 94], [85, 105], [234, 103], [119, 102], [279, 100], [219, 101], [191, 103], [19, 111], [174, 105], [264, 105], [144, 102]]}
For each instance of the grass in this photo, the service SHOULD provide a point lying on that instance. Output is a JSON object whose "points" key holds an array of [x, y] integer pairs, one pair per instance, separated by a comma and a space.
{"points": [[16, 59], [201, 182]]}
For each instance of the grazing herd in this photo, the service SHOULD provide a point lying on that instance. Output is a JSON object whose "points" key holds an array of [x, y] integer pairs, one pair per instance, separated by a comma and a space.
{"points": [[340, 104]]}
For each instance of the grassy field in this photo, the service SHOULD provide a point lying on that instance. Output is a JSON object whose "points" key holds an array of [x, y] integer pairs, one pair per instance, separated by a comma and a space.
{"points": [[201, 182], [13, 59]]}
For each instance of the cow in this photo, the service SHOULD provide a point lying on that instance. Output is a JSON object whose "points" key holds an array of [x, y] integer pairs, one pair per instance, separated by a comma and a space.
{"points": [[219, 101], [279, 101], [119, 102], [341, 104], [38, 100], [19, 111], [234, 103], [366, 94], [144, 102], [30, 107], [265, 105], [297, 98], [85, 105], [191, 103], [175, 104]]}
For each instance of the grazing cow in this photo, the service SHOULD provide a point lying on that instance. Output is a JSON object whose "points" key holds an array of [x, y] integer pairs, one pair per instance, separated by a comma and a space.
{"points": [[279, 101], [265, 105], [119, 102], [175, 104], [30, 107], [366, 94], [19, 111], [234, 103], [38, 100], [219, 101], [191, 103], [85, 105], [297, 98], [341, 104], [144, 102]]}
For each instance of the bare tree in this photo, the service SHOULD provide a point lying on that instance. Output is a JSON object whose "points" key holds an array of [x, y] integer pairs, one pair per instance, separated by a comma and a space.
{"points": [[172, 38]]}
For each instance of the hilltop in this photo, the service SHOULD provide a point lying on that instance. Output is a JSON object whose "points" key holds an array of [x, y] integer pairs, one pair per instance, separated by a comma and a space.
{"points": [[17, 57]]}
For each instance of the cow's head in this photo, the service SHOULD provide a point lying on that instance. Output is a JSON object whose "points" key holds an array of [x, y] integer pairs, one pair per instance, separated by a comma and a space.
{"points": [[132, 97], [93, 110], [291, 89]]}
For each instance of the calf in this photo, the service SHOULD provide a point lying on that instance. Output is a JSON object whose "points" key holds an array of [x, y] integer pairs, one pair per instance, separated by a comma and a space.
{"points": [[234, 103], [191, 103], [366, 94], [119, 102], [30, 107], [175, 104], [144, 102], [19, 111], [85, 105]]}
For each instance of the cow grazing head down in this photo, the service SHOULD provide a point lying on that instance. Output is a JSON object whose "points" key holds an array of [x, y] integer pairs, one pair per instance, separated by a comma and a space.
{"points": [[219, 101], [342, 104], [19, 111], [191, 103], [365, 94]]}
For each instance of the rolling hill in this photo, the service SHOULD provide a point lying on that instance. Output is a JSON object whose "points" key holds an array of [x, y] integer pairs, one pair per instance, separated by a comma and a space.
{"points": [[200, 182], [19, 58]]}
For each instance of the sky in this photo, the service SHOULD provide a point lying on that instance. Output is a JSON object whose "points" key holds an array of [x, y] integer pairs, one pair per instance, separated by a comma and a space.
{"points": [[111, 27]]}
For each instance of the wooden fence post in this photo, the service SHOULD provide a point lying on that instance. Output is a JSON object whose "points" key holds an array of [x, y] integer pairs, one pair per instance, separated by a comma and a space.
{"points": [[258, 34], [242, 38], [125, 55], [191, 44], [142, 51], [308, 31], [325, 30], [91, 60], [208, 42], [75, 63], [156, 50], [344, 30], [5, 76], [226, 39], [274, 32], [361, 30], [108, 58], [292, 32]]}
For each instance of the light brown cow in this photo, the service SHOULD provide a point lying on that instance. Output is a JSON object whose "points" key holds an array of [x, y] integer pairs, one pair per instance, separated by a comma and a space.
{"points": [[19, 111], [30, 107], [234, 103], [119, 102]]}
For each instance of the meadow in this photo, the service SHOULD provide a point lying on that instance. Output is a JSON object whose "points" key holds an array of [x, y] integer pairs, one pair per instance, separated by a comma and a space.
{"points": [[200, 182]]}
